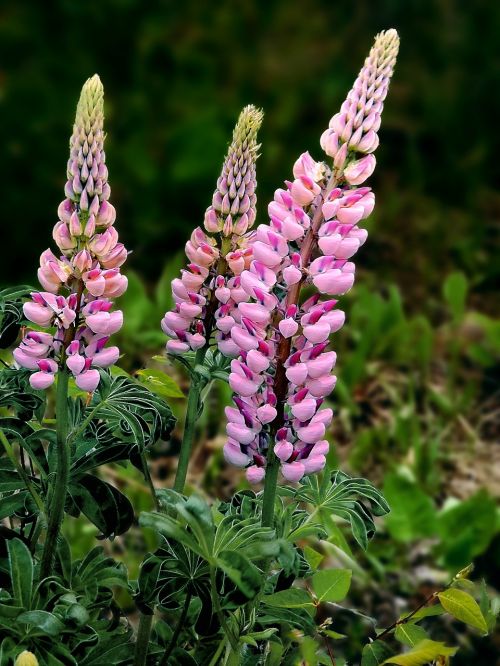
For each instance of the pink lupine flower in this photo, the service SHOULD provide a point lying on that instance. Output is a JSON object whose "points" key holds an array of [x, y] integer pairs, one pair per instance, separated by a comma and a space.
{"points": [[46, 374], [208, 289], [80, 283], [283, 371]]}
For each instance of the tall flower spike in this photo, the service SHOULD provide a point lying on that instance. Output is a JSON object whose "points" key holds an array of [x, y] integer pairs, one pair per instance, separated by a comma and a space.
{"points": [[208, 289], [283, 372], [233, 204], [80, 283]]}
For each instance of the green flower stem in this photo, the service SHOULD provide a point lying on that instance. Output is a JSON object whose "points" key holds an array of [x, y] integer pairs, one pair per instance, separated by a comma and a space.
{"points": [[142, 642], [60, 486], [270, 486], [218, 653], [177, 631], [189, 425]]}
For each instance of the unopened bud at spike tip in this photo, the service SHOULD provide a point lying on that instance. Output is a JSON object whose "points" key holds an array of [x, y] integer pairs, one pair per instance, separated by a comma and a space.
{"points": [[235, 193]]}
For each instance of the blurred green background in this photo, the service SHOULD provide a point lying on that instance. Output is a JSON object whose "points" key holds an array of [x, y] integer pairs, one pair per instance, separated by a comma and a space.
{"points": [[417, 398], [176, 75]]}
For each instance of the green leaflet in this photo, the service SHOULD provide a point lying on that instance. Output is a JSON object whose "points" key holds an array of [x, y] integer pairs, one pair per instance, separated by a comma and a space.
{"points": [[21, 572], [331, 584], [463, 607]]}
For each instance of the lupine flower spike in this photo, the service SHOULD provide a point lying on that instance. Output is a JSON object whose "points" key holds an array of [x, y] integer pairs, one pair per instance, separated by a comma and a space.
{"points": [[80, 283], [283, 371], [209, 288]]}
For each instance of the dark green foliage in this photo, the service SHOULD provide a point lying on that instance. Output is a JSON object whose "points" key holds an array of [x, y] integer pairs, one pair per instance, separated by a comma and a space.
{"points": [[66, 619], [16, 393], [11, 313]]}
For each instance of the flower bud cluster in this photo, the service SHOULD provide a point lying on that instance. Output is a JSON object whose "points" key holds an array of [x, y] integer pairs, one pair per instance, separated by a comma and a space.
{"points": [[355, 127], [209, 286], [283, 371], [79, 285]]}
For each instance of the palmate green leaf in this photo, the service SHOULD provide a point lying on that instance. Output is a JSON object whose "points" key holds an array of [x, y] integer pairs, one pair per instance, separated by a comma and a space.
{"points": [[410, 634], [130, 411], [198, 516], [56, 654], [244, 574], [355, 500], [43, 621], [423, 653], [171, 528], [246, 535], [159, 382], [98, 569], [105, 506], [463, 607], [375, 654], [166, 575], [90, 454], [21, 572], [17, 394], [11, 313], [113, 648], [331, 584]]}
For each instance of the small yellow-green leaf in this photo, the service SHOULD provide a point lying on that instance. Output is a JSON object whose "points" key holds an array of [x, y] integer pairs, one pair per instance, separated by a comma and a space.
{"points": [[332, 634], [410, 634], [331, 584], [312, 556], [160, 383], [463, 607], [422, 653]]}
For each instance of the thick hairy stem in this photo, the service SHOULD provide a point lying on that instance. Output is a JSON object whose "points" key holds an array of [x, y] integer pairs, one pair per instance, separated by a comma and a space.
{"points": [[177, 631], [270, 485], [142, 642], [189, 426], [60, 486]]}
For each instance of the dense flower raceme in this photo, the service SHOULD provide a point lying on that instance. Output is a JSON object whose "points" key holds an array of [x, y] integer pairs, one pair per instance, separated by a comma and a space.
{"points": [[283, 369], [80, 283], [219, 254]]}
